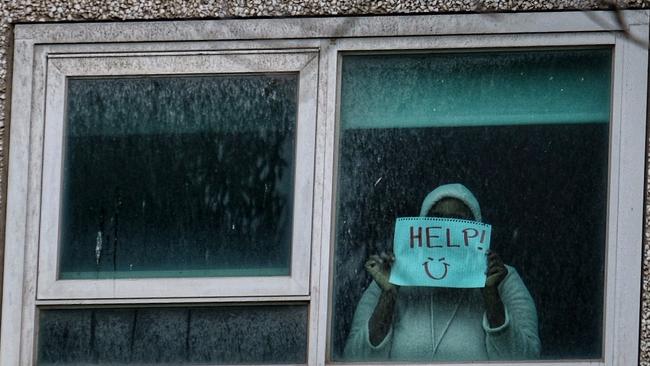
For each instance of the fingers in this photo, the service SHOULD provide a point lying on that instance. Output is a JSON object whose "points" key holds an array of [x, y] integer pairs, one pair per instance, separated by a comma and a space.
{"points": [[387, 257], [495, 262], [491, 254], [376, 258], [495, 265], [374, 262], [381, 262], [378, 266], [494, 259], [495, 270]]}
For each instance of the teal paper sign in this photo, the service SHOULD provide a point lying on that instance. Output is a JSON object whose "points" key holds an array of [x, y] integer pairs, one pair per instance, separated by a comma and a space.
{"points": [[440, 252]]}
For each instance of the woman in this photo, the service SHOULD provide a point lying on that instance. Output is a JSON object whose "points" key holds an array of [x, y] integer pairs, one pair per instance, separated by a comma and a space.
{"points": [[496, 322]]}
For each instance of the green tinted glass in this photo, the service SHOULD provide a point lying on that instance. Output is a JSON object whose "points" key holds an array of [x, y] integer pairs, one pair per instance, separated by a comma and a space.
{"points": [[527, 133], [178, 176], [476, 89]]}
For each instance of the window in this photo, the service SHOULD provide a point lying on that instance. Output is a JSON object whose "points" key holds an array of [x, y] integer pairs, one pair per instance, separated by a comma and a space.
{"points": [[177, 180], [211, 195], [527, 132], [176, 335]]}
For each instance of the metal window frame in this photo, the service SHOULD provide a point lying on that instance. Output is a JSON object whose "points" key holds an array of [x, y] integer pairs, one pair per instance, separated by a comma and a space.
{"points": [[61, 67], [624, 205], [330, 37]]}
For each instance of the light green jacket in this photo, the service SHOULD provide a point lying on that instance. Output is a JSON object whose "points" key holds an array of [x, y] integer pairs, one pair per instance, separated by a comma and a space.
{"points": [[448, 324]]}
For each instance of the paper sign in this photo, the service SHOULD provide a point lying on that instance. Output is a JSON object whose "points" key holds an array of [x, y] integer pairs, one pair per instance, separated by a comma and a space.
{"points": [[440, 252]]}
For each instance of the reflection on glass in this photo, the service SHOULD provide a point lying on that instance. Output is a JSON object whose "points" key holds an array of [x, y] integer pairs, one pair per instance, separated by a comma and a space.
{"points": [[179, 336], [178, 176], [527, 133]]}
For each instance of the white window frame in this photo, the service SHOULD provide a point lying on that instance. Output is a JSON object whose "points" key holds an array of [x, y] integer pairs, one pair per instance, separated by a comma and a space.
{"points": [[619, 258], [36, 44], [63, 66]]}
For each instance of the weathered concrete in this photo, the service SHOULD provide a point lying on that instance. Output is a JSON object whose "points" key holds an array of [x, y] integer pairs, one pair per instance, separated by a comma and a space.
{"points": [[21, 11]]}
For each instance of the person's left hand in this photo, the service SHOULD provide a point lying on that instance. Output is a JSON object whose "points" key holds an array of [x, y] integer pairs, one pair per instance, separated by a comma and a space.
{"points": [[496, 271]]}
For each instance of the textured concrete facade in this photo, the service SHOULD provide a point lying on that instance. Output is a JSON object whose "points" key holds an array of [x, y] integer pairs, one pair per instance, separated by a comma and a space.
{"points": [[32, 11]]}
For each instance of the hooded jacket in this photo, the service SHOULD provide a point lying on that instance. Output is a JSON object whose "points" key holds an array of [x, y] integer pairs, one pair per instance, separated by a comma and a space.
{"points": [[444, 324]]}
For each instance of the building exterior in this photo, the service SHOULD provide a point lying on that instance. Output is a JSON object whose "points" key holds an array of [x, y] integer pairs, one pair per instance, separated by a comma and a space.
{"points": [[214, 185]]}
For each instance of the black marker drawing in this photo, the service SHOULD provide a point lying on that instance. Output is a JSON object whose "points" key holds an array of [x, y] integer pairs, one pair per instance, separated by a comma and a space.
{"points": [[426, 268]]}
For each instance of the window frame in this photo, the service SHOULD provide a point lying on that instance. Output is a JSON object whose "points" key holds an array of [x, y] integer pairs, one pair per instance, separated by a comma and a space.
{"points": [[61, 67], [330, 37], [617, 256]]}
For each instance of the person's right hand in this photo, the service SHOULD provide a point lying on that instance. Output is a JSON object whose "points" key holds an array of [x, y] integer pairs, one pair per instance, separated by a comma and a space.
{"points": [[378, 266]]}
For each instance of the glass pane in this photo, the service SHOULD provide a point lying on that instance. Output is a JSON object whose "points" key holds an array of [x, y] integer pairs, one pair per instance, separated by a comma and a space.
{"points": [[523, 88], [178, 176], [180, 336], [527, 134]]}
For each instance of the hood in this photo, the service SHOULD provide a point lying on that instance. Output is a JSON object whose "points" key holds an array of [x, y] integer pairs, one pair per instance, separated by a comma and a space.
{"points": [[454, 190]]}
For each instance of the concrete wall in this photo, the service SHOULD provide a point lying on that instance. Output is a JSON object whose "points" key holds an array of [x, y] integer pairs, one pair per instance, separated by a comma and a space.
{"points": [[30, 11]]}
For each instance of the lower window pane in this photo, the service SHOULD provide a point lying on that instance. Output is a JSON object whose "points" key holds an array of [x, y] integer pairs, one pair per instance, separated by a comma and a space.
{"points": [[191, 335]]}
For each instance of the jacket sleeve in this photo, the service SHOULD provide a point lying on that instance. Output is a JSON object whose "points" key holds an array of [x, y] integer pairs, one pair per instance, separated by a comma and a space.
{"points": [[358, 346], [518, 337]]}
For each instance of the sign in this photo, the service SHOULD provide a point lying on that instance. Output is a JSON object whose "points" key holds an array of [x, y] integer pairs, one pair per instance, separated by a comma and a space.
{"points": [[440, 252]]}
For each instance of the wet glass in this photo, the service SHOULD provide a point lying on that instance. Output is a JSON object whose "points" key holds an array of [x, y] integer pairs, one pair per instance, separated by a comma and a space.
{"points": [[255, 334], [527, 132], [180, 176]]}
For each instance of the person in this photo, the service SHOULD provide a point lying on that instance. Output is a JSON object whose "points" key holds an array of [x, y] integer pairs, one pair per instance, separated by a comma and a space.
{"points": [[497, 322]]}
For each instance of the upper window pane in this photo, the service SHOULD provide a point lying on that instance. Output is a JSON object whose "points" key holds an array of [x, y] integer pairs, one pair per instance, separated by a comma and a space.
{"points": [[178, 176], [475, 89], [527, 135]]}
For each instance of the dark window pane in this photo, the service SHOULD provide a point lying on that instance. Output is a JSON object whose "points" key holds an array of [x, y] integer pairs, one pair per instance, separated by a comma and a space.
{"points": [[178, 176], [195, 335], [528, 134]]}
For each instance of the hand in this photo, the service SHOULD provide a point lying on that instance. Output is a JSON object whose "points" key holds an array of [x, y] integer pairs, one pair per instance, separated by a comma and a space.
{"points": [[496, 271], [378, 266]]}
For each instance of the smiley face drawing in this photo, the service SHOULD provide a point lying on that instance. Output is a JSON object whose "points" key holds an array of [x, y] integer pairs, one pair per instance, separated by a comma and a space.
{"points": [[428, 272]]}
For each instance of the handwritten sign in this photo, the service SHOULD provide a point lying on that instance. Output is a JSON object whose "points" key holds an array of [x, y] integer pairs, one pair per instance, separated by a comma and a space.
{"points": [[440, 252]]}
